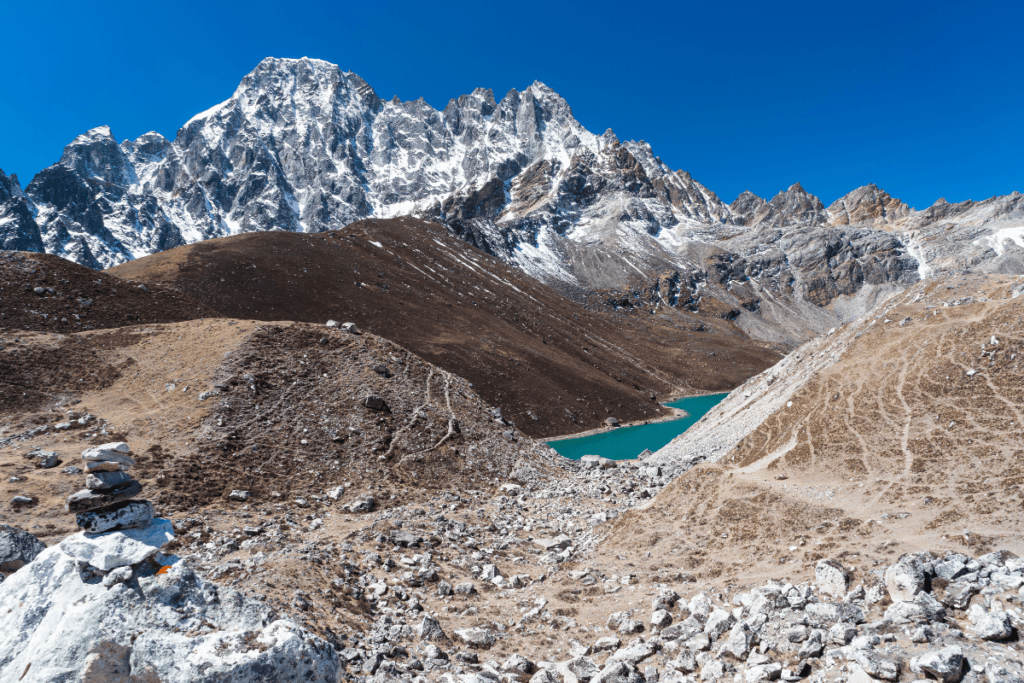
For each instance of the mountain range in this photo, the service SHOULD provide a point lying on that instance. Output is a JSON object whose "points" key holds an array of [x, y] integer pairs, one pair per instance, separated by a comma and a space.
{"points": [[303, 146]]}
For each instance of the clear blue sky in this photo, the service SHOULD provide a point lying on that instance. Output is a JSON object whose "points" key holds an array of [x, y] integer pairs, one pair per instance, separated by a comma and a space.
{"points": [[923, 98]]}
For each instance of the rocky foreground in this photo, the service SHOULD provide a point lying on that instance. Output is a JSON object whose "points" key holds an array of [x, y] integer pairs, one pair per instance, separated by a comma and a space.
{"points": [[431, 598]]}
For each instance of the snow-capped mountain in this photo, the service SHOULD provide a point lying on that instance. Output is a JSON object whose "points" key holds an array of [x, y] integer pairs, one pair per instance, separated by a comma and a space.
{"points": [[18, 229], [303, 146]]}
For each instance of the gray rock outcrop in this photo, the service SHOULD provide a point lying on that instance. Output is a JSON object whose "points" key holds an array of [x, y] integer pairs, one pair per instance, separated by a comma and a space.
{"points": [[60, 626], [17, 548]]}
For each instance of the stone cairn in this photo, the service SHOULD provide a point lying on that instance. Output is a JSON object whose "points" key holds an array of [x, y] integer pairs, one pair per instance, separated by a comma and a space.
{"points": [[106, 503]]}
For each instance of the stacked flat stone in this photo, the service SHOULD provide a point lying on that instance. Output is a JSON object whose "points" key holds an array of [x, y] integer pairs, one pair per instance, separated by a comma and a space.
{"points": [[106, 503]]}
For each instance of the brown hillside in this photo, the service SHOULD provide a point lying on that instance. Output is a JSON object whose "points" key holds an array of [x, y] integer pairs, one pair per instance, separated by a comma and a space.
{"points": [[220, 405], [551, 365], [76, 298], [910, 440]]}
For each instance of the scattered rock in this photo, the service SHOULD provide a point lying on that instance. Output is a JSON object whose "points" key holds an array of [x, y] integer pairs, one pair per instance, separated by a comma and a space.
{"points": [[17, 548], [598, 462], [923, 608], [945, 665], [719, 621], [905, 579], [45, 459], [476, 637], [876, 665], [993, 626], [375, 402], [832, 578], [577, 670], [517, 664], [430, 629], [363, 503], [561, 542]]}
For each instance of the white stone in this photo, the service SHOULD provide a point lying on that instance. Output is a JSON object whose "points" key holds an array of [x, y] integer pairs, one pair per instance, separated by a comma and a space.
{"points": [[119, 548], [905, 579], [558, 543], [993, 626], [56, 624], [946, 664], [719, 621], [475, 637], [517, 664], [598, 462], [700, 606], [661, 618], [633, 654], [762, 672], [119, 575], [110, 452], [831, 577]]}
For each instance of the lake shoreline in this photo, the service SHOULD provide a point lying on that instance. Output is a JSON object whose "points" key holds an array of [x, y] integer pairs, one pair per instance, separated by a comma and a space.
{"points": [[627, 442], [677, 414]]}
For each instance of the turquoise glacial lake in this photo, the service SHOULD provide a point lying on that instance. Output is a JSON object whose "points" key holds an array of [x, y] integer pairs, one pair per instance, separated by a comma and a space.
{"points": [[629, 442]]}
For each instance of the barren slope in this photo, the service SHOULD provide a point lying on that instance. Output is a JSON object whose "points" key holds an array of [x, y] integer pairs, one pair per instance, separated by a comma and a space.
{"points": [[286, 417], [901, 432], [49, 294], [550, 364]]}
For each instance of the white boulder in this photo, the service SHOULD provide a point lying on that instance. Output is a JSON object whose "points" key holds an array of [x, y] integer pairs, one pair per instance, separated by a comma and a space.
{"points": [[61, 628], [119, 548]]}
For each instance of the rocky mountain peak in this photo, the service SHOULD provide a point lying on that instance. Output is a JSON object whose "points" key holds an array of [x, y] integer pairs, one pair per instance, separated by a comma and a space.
{"points": [[18, 228], [868, 205], [95, 154], [748, 208], [149, 146], [92, 136], [609, 137], [9, 186], [796, 206]]}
